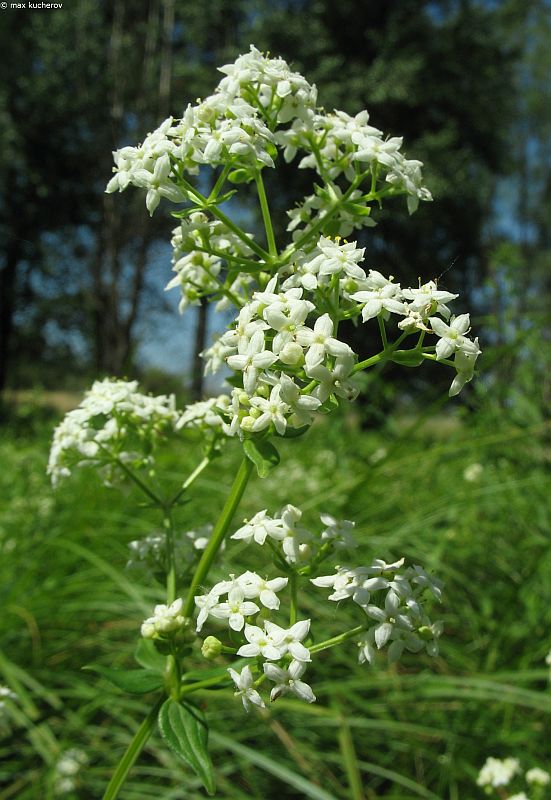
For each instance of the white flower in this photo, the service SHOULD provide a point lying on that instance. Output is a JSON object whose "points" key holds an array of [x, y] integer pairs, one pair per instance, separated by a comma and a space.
{"points": [[464, 363], [236, 609], [260, 643], [452, 336], [428, 300], [259, 527], [538, 776], [272, 410], [290, 641], [337, 258], [334, 380], [320, 341], [205, 603], [289, 681], [244, 682], [338, 531], [295, 539], [497, 772], [355, 583], [165, 620], [251, 359], [383, 297], [205, 413], [254, 586], [473, 472]]}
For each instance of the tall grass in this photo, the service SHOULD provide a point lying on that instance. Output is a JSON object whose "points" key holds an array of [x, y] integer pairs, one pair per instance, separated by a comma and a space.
{"points": [[419, 730]]}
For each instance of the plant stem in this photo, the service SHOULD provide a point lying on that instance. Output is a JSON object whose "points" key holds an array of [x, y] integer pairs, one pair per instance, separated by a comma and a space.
{"points": [[170, 559], [342, 637], [369, 362], [205, 684], [133, 751], [191, 479], [219, 532], [145, 489], [294, 598], [205, 204], [272, 248]]}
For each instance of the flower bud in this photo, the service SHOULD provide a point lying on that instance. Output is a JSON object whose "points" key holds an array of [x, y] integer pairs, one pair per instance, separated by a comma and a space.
{"points": [[292, 354], [211, 648]]}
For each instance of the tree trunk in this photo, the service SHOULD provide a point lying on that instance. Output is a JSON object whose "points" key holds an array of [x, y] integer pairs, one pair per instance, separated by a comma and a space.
{"points": [[8, 277]]}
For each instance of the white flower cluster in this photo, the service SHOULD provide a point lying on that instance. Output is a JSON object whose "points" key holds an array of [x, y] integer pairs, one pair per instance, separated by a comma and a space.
{"points": [[70, 763], [231, 126], [237, 126], [149, 554], [270, 642], [165, 622], [286, 356], [205, 414], [296, 544], [200, 249], [390, 596], [400, 619], [113, 422], [240, 593], [336, 143], [497, 773]]}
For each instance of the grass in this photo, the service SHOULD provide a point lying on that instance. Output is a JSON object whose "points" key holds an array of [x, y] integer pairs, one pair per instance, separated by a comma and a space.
{"points": [[421, 730]]}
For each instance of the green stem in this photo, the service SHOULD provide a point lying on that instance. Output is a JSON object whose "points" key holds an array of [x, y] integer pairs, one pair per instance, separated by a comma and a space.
{"points": [[152, 496], [382, 330], [219, 532], [218, 185], [133, 751], [272, 248], [191, 479], [170, 559], [204, 203], [342, 637], [294, 598], [205, 684], [317, 226], [369, 362]]}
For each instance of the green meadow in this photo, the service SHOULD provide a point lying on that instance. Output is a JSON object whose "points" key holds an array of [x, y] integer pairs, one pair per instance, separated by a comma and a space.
{"points": [[467, 495]]}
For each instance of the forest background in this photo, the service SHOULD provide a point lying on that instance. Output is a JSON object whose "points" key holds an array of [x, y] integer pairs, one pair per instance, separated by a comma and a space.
{"points": [[461, 484]]}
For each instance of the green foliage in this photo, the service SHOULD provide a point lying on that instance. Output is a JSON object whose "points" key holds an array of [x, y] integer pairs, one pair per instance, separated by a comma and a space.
{"points": [[184, 729], [419, 730]]}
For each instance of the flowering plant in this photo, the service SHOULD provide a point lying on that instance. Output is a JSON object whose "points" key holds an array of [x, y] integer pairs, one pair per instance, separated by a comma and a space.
{"points": [[288, 364], [497, 775]]}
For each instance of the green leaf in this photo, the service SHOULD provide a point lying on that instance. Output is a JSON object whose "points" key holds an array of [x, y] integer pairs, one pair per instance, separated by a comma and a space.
{"points": [[240, 176], [134, 681], [148, 657], [408, 358], [263, 455], [293, 433], [184, 729]]}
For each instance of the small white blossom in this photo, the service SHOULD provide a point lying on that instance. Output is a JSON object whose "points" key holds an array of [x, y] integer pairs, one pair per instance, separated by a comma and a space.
{"points": [[260, 643], [235, 609], [497, 772], [165, 620], [320, 341], [244, 682], [260, 527], [538, 776], [288, 680], [290, 641]]}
